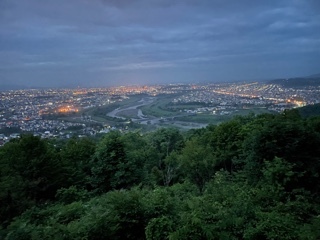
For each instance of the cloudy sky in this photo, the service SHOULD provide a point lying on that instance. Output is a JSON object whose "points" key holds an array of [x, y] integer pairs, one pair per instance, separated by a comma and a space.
{"points": [[66, 43]]}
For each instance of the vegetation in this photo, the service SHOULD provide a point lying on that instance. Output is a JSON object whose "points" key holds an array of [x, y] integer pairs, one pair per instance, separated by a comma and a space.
{"points": [[253, 177], [310, 110], [297, 82], [161, 107]]}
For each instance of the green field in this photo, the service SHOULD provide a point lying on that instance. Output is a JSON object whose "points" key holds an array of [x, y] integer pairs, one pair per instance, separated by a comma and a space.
{"points": [[216, 119], [99, 114], [160, 107], [131, 113], [204, 118]]}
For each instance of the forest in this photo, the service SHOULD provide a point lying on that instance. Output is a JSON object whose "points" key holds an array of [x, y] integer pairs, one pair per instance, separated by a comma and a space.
{"points": [[253, 177]]}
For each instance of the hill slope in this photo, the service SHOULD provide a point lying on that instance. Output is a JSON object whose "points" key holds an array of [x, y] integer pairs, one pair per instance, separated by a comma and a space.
{"points": [[310, 110], [313, 80]]}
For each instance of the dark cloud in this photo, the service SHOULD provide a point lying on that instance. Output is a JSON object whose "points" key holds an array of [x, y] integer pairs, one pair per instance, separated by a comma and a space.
{"points": [[108, 42]]}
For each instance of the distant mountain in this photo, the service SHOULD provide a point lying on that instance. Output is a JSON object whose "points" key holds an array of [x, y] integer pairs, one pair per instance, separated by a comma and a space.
{"points": [[5, 87], [312, 80], [314, 76]]}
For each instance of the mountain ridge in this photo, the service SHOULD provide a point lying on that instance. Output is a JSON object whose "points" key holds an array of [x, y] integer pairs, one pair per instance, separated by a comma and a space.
{"points": [[307, 81]]}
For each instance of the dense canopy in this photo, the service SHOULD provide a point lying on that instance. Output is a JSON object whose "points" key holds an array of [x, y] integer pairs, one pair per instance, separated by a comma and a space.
{"points": [[253, 177]]}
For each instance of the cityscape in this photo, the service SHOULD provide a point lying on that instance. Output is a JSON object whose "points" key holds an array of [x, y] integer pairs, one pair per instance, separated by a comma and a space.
{"points": [[161, 119], [63, 113]]}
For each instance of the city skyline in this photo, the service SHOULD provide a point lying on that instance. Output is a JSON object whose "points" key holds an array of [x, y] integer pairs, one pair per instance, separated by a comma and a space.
{"points": [[109, 43]]}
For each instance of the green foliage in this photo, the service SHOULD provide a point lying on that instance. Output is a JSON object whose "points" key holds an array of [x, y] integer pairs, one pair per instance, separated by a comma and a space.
{"points": [[109, 163], [118, 162], [310, 110], [278, 172], [197, 163], [76, 154], [30, 172], [125, 219], [254, 177], [289, 139], [166, 143], [159, 228], [138, 154], [71, 194]]}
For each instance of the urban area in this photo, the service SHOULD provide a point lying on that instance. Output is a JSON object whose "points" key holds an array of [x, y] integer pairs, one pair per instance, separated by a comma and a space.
{"points": [[61, 113]]}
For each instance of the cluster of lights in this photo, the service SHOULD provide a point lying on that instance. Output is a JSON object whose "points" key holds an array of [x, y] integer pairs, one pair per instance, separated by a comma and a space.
{"points": [[67, 109]]}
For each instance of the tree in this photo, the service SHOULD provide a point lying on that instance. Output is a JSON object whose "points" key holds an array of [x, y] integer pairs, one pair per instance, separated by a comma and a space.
{"points": [[164, 142], [197, 163], [77, 154], [108, 163], [226, 142], [139, 155], [30, 172], [291, 140], [113, 166]]}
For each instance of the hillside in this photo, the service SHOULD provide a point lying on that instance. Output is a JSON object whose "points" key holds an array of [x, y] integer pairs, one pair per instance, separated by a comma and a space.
{"points": [[310, 110], [253, 177], [314, 76], [313, 80]]}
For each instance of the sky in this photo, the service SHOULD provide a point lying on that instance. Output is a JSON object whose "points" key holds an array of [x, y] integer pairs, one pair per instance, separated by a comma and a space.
{"points": [[89, 43]]}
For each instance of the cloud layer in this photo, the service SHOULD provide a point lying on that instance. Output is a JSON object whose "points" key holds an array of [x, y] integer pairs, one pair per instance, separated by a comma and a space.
{"points": [[110, 42]]}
